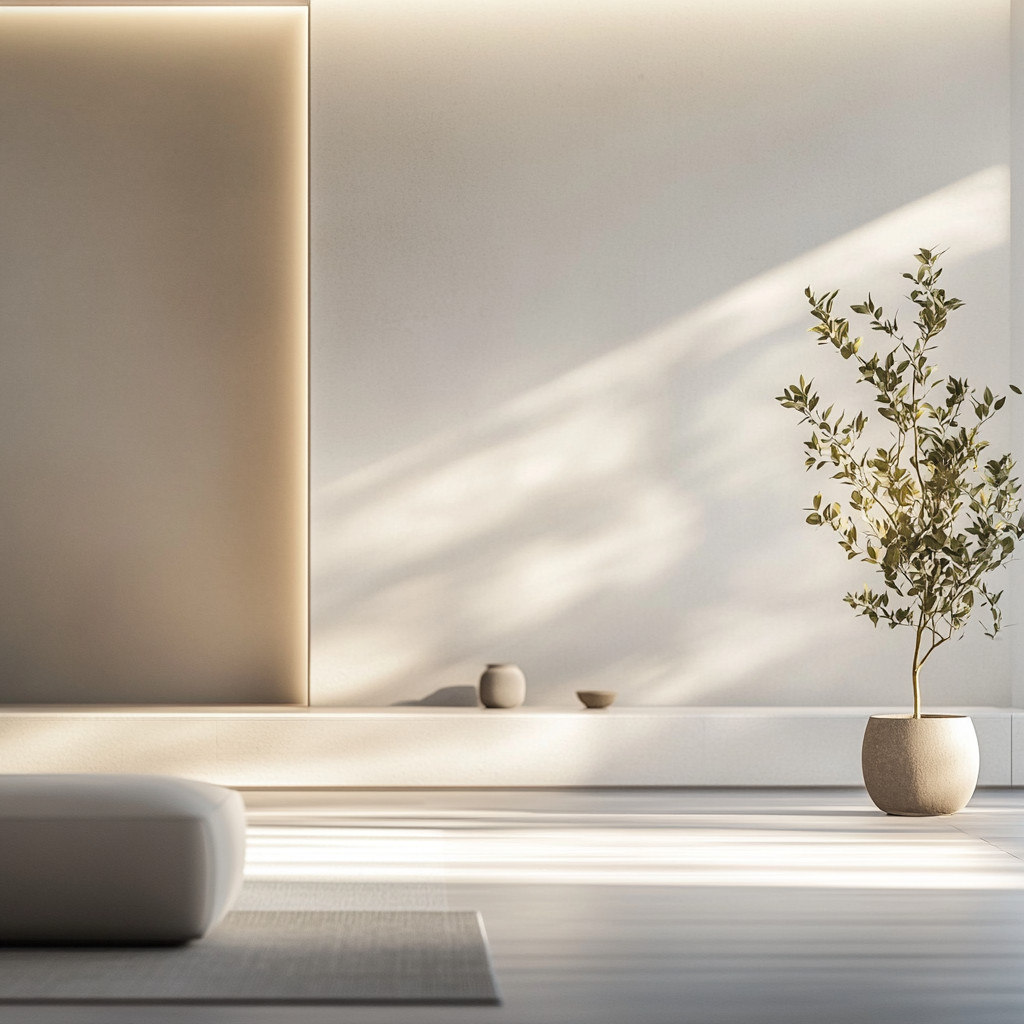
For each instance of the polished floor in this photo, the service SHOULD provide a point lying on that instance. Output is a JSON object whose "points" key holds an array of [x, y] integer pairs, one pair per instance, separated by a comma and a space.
{"points": [[661, 907]]}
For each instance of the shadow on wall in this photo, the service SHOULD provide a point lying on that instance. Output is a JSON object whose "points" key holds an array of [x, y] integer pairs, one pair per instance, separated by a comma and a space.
{"points": [[631, 525], [446, 697]]}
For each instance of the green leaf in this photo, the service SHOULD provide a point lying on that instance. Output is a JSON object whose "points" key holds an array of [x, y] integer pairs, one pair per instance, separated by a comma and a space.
{"points": [[937, 518]]}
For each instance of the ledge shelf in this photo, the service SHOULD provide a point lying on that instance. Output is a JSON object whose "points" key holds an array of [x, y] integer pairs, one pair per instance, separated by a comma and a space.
{"points": [[435, 747]]}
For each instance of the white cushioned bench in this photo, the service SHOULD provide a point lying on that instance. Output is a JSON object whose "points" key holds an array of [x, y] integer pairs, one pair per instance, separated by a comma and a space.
{"points": [[116, 859]]}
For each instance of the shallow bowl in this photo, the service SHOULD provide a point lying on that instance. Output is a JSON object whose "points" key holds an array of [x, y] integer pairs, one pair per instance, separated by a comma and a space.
{"points": [[596, 698]]}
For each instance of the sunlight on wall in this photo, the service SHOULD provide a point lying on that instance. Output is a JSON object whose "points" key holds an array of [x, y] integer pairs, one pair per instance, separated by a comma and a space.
{"points": [[615, 493]]}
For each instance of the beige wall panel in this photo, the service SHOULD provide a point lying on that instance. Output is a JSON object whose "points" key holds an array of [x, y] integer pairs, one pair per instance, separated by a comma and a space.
{"points": [[152, 355]]}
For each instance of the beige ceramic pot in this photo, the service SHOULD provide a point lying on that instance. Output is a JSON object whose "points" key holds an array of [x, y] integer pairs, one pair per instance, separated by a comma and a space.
{"points": [[920, 766], [502, 686]]}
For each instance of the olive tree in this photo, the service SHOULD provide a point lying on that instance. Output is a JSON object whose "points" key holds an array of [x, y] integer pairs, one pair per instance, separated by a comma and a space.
{"points": [[920, 503]]}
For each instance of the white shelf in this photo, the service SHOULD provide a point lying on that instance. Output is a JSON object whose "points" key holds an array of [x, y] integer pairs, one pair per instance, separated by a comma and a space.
{"points": [[439, 747]]}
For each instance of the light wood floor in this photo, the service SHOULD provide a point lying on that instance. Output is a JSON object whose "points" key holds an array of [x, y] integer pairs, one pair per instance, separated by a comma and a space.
{"points": [[666, 907]]}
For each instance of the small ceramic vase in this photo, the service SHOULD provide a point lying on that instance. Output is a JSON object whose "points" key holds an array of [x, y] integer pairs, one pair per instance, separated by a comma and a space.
{"points": [[502, 686]]}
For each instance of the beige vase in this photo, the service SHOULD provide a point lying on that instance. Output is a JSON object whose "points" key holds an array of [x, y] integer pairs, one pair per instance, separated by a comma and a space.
{"points": [[502, 686], [920, 766]]}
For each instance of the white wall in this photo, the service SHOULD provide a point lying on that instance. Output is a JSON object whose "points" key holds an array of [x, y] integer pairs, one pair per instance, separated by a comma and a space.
{"points": [[1016, 590], [559, 252]]}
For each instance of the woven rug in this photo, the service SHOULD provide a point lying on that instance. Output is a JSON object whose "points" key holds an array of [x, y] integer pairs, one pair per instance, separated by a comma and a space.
{"points": [[273, 956]]}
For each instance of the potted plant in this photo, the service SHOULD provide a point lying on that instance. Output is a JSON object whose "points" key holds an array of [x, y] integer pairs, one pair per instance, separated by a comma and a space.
{"points": [[925, 509]]}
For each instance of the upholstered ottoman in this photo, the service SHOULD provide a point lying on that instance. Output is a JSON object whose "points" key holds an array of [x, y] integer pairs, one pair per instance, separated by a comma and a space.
{"points": [[116, 859]]}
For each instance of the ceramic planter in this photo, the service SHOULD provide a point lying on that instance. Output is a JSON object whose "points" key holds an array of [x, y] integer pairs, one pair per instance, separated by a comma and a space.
{"points": [[502, 686], [920, 766]]}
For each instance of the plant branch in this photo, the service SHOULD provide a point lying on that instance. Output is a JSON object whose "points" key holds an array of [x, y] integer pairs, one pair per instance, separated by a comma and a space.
{"points": [[937, 523]]}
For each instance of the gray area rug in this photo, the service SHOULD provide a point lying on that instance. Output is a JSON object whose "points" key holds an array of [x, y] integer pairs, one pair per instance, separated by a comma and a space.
{"points": [[292, 894], [274, 956]]}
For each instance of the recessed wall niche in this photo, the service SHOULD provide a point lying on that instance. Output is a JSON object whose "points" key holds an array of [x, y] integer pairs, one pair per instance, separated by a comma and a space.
{"points": [[153, 353]]}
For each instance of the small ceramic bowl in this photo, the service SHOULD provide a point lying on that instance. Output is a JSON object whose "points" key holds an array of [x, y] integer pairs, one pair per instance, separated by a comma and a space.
{"points": [[596, 698]]}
